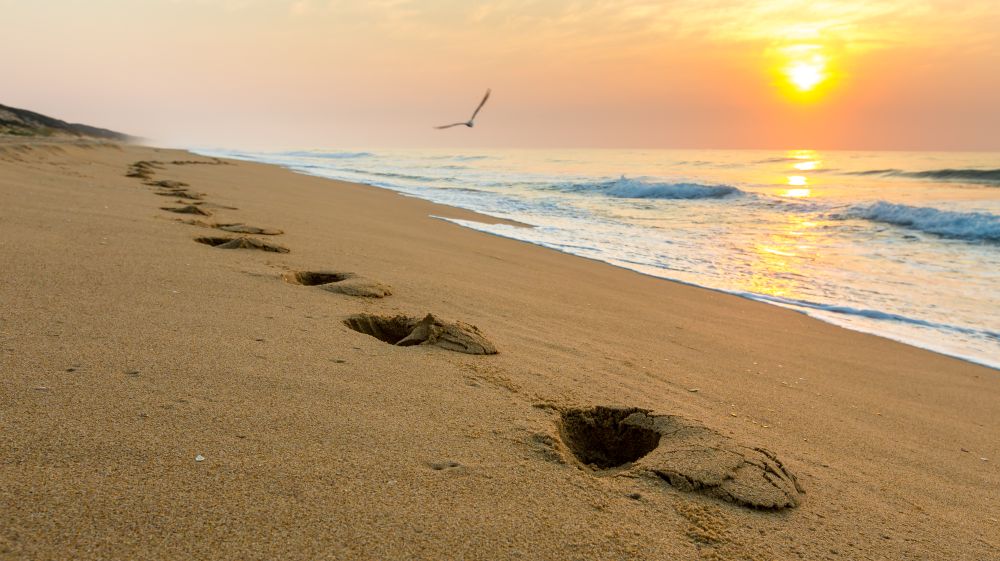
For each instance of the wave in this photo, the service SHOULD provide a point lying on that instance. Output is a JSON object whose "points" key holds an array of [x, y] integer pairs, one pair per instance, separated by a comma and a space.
{"points": [[867, 313], [329, 155], [461, 158], [779, 160], [396, 175], [971, 226], [626, 188], [948, 174]]}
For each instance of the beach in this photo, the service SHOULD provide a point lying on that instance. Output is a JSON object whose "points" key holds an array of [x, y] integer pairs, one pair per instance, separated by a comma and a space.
{"points": [[162, 398]]}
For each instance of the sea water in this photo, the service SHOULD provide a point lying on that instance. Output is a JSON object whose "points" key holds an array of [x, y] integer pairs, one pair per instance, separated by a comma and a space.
{"points": [[900, 244]]}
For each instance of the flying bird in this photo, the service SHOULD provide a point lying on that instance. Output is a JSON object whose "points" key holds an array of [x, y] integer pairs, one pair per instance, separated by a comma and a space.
{"points": [[469, 123]]}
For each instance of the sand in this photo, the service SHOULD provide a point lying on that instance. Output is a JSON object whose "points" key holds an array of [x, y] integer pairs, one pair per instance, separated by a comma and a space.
{"points": [[167, 399]]}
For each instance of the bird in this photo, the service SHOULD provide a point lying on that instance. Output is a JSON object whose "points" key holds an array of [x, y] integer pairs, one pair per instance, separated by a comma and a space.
{"points": [[469, 123]]}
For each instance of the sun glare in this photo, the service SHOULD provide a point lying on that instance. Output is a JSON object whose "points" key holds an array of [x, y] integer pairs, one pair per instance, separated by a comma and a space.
{"points": [[804, 67], [805, 75]]}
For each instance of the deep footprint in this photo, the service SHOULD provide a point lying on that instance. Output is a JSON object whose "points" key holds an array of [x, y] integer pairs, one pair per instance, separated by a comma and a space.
{"points": [[187, 209], [404, 331], [241, 243], [339, 282], [681, 452], [315, 278]]}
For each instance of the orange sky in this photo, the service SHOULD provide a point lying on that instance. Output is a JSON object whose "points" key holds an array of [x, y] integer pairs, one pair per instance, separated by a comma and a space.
{"points": [[895, 74]]}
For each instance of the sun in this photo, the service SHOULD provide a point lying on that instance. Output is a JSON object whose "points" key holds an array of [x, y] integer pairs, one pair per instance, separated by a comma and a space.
{"points": [[805, 75], [804, 67]]}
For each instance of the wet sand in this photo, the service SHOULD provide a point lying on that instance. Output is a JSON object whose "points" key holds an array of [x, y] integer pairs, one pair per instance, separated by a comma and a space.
{"points": [[162, 398]]}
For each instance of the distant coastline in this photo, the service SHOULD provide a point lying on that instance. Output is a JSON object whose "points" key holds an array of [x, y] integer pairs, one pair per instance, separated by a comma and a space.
{"points": [[22, 123]]}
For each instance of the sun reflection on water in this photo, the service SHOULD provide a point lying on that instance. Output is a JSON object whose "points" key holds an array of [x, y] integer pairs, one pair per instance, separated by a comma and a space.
{"points": [[802, 160], [779, 262]]}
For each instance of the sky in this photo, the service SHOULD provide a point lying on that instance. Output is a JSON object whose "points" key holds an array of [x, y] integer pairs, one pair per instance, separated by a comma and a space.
{"points": [[279, 74]]}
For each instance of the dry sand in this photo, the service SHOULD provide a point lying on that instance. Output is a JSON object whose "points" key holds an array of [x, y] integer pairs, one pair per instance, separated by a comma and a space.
{"points": [[167, 399]]}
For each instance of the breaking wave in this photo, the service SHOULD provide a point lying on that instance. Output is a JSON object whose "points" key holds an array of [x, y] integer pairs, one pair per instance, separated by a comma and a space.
{"points": [[972, 175], [625, 188], [972, 226]]}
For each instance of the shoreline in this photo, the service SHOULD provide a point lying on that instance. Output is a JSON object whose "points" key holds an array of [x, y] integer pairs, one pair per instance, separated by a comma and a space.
{"points": [[129, 351], [802, 307], [745, 295]]}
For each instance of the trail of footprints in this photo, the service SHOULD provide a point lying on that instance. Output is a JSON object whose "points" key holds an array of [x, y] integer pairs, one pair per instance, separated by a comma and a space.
{"points": [[605, 441]]}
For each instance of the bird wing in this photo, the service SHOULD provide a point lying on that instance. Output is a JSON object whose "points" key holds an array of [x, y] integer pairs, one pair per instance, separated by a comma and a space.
{"points": [[451, 125], [481, 104]]}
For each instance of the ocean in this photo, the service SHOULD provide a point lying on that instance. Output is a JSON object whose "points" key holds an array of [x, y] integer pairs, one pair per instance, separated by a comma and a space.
{"points": [[905, 245]]}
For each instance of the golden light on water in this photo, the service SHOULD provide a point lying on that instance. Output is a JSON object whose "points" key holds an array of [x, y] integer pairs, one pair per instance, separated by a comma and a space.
{"points": [[777, 267], [802, 154], [803, 160]]}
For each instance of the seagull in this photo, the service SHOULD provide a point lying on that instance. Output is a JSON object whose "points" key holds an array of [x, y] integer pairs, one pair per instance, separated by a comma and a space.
{"points": [[469, 123]]}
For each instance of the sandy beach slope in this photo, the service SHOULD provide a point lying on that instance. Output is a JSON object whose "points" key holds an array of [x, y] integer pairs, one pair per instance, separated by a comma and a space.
{"points": [[162, 398]]}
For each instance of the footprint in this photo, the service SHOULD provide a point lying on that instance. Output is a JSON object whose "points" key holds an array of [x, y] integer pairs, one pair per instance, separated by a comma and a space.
{"points": [[236, 228], [404, 331], [339, 282], [240, 228], [212, 205], [241, 243], [168, 184], [681, 452], [183, 194], [315, 278], [142, 169], [195, 222], [187, 209]]}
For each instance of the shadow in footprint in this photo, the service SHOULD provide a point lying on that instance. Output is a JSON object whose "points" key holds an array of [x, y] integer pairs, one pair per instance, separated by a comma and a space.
{"points": [[239, 228], [182, 194], [236, 228], [187, 209], [339, 282], [404, 331], [315, 278], [241, 243], [679, 451], [601, 439], [167, 184]]}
